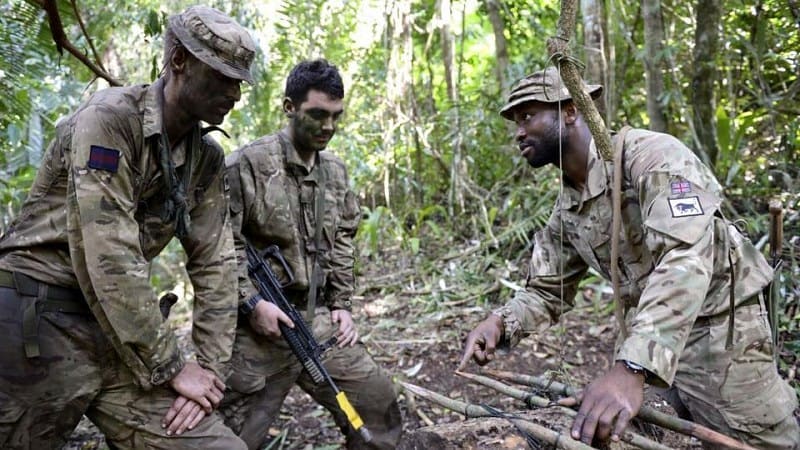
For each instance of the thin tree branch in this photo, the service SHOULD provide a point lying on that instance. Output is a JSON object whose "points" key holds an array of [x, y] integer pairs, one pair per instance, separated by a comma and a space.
{"points": [[86, 34], [62, 43]]}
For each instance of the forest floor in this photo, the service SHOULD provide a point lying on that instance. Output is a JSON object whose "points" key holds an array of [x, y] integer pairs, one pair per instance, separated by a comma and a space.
{"points": [[419, 341]]}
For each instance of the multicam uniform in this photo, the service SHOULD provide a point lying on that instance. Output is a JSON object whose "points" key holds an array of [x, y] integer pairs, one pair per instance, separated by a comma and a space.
{"points": [[82, 328], [273, 201], [675, 252]]}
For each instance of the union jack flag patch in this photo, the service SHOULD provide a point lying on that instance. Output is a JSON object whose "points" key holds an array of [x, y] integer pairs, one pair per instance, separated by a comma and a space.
{"points": [[102, 158], [680, 187]]}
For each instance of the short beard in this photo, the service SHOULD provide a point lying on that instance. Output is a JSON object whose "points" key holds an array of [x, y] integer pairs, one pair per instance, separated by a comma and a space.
{"points": [[548, 150]]}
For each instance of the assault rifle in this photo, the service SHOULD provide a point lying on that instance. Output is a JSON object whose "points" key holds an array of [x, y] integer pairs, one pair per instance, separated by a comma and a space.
{"points": [[300, 339]]}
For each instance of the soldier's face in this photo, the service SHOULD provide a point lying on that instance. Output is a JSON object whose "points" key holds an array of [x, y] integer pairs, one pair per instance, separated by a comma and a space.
{"points": [[314, 121], [538, 133], [208, 94]]}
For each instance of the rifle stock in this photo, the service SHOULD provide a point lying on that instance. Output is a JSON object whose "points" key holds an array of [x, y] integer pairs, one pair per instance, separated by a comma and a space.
{"points": [[300, 339]]}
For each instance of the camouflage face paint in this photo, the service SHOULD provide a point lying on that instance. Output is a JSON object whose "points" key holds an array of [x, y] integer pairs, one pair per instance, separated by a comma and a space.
{"points": [[314, 121]]}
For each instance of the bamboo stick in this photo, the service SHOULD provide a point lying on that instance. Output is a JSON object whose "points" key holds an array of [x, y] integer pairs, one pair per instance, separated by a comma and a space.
{"points": [[551, 437], [646, 413], [540, 402]]}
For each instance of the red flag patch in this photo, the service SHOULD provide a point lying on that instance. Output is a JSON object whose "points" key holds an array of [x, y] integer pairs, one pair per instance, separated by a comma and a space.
{"points": [[103, 158]]}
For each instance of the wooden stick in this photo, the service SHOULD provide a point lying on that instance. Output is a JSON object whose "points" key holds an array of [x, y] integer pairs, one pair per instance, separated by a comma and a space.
{"points": [[535, 401], [646, 413], [554, 438]]}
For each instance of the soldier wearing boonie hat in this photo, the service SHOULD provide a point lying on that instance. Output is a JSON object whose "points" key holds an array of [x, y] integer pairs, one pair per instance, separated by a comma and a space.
{"points": [[126, 172], [544, 86], [215, 39], [691, 283]]}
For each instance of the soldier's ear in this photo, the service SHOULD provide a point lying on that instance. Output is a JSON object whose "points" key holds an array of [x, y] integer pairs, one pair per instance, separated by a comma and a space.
{"points": [[570, 113], [178, 60], [288, 107]]}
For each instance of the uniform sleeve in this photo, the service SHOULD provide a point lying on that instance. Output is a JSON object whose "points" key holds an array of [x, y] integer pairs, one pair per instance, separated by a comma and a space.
{"points": [[341, 280], [211, 265], [539, 305], [104, 245], [679, 233], [242, 195]]}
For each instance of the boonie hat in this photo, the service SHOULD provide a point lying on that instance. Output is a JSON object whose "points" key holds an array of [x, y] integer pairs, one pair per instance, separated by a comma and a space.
{"points": [[543, 86], [215, 39]]}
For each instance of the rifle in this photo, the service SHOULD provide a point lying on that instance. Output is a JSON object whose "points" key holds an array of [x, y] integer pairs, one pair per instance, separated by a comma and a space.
{"points": [[300, 339]]}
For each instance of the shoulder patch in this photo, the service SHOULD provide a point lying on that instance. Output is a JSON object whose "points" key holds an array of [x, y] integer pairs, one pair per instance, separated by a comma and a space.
{"points": [[103, 158], [685, 206]]}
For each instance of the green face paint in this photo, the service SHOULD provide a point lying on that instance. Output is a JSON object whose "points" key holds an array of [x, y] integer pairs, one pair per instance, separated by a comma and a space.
{"points": [[315, 120]]}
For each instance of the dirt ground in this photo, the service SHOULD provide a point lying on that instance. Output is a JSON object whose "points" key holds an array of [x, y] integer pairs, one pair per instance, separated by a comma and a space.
{"points": [[419, 341]]}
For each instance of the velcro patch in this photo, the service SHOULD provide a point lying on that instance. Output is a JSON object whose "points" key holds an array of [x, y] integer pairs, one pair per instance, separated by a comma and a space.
{"points": [[686, 206], [680, 187], [103, 158]]}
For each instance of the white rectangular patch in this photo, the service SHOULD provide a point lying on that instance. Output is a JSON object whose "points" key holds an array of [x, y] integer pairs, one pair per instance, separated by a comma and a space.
{"points": [[686, 206]]}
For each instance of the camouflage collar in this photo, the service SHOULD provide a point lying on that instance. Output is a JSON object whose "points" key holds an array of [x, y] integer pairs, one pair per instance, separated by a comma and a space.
{"points": [[596, 182], [294, 163], [151, 120]]}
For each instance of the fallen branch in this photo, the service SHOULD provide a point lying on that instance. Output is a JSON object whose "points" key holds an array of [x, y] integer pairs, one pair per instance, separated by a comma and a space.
{"points": [[534, 401], [646, 413], [554, 438]]}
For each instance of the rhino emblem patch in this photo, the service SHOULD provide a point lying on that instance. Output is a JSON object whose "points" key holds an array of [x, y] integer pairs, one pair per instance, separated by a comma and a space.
{"points": [[686, 206]]}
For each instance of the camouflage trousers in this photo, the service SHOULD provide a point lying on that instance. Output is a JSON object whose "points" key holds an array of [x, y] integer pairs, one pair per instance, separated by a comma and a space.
{"points": [[264, 370], [78, 372], [737, 392]]}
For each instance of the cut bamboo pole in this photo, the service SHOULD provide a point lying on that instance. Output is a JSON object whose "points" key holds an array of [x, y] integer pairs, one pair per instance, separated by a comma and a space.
{"points": [[551, 437], [540, 402], [646, 413]]}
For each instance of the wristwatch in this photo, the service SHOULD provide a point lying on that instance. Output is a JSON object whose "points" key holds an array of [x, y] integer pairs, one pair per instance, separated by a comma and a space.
{"points": [[635, 368], [249, 305]]}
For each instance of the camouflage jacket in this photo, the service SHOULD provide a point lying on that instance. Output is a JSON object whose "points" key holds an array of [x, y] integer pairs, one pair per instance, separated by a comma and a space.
{"points": [[674, 252], [273, 201], [92, 220]]}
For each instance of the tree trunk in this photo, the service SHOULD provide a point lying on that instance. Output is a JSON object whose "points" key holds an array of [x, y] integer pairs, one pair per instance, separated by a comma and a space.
{"points": [[500, 45], [456, 195], [398, 82], [654, 69], [706, 43], [594, 48]]}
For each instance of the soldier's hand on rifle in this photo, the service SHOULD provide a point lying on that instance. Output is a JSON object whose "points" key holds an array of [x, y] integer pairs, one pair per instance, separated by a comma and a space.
{"points": [[198, 384], [482, 341], [184, 414], [347, 334], [265, 317], [607, 405]]}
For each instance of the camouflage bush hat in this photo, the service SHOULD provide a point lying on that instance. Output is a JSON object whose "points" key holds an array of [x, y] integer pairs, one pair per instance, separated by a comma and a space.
{"points": [[215, 39], [543, 86]]}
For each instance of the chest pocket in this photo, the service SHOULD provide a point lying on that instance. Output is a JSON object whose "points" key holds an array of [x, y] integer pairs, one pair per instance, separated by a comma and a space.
{"points": [[589, 233], [281, 197], [154, 233], [331, 218]]}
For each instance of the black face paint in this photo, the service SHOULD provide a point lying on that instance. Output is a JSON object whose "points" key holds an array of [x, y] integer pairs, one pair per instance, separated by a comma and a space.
{"points": [[207, 94]]}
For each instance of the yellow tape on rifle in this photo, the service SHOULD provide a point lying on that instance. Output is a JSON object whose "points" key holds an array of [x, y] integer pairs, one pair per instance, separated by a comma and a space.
{"points": [[352, 415]]}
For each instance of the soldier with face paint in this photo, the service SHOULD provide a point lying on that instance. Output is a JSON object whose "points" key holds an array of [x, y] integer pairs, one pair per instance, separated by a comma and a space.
{"points": [[82, 330], [288, 191], [691, 283]]}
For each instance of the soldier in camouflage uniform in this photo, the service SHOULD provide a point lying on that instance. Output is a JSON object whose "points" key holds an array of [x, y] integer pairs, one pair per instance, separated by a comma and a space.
{"points": [[680, 259], [286, 190], [130, 169]]}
